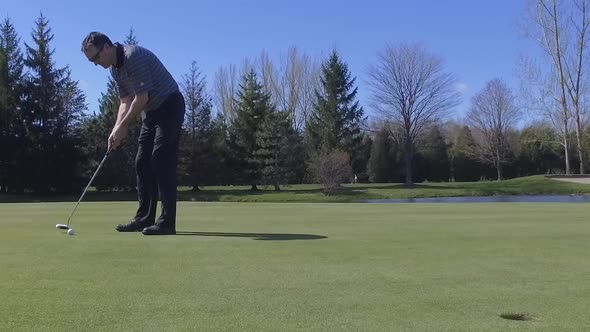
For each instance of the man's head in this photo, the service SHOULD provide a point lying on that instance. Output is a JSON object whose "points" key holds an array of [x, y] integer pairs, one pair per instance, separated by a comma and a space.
{"points": [[99, 49]]}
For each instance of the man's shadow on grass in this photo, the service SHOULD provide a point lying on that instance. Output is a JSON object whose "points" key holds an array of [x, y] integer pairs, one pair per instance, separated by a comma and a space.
{"points": [[258, 236]]}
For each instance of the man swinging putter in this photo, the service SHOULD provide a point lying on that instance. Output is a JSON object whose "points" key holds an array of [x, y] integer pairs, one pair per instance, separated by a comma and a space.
{"points": [[145, 86]]}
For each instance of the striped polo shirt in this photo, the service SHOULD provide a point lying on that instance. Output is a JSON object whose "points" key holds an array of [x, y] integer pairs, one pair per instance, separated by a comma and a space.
{"points": [[137, 71]]}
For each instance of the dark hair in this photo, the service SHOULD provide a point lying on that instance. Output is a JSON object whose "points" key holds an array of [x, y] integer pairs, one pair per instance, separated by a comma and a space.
{"points": [[96, 39]]}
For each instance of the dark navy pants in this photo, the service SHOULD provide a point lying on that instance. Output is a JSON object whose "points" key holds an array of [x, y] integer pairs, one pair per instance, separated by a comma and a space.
{"points": [[156, 161]]}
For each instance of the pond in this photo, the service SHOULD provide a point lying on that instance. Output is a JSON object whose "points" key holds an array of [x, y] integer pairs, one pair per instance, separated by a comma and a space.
{"points": [[492, 199]]}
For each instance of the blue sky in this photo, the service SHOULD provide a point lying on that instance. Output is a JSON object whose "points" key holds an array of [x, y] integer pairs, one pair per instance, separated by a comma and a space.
{"points": [[478, 40]]}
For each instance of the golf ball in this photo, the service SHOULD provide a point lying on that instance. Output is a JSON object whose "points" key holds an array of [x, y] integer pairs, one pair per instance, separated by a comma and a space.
{"points": [[71, 231]]}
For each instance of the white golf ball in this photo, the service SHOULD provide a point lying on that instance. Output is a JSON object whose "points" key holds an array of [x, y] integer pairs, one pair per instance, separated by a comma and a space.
{"points": [[71, 231]]}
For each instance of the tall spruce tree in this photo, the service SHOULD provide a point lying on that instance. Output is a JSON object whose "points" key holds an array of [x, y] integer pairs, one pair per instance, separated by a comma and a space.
{"points": [[73, 102], [96, 130], [432, 160], [464, 165], [381, 162], [72, 106], [198, 160], [253, 107], [11, 88], [53, 157], [337, 117], [279, 151], [225, 170]]}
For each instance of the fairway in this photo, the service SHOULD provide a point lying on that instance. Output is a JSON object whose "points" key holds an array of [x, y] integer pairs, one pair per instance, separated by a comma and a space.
{"points": [[298, 267]]}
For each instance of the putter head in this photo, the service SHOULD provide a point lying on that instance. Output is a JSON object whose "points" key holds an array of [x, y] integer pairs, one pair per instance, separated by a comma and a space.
{"points": [[61, 226]]}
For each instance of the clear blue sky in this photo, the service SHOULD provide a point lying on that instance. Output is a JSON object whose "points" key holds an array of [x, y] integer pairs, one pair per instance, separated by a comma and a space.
{"points": [[478, 39]]}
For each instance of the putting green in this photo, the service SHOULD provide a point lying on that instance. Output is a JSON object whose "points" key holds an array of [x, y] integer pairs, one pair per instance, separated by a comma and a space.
{"points": [[306, 267]]}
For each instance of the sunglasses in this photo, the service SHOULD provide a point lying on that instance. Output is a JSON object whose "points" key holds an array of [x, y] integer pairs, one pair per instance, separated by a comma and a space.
{"points": [[97, 55]]}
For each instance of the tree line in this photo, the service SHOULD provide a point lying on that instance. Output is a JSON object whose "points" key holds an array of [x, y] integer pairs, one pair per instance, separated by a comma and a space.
{"points": [[298, 119]]}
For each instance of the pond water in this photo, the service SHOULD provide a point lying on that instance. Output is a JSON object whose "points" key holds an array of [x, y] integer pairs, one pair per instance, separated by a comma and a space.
{"points": [[492, 199]]}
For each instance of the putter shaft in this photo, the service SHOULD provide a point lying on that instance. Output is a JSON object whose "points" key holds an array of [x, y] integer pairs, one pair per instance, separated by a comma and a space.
{"points": [[88, 185]]}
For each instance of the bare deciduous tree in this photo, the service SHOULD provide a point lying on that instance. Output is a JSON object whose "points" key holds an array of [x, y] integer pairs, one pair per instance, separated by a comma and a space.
{"points": [[575, 70], [492, 115], [410, 89], [331, 169], [226, 87], [540, 95], [560, 28], [291, 83]]}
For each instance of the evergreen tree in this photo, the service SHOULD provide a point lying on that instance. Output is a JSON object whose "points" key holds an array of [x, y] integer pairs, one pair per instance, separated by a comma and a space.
{"points": [[226, 171], [11, 88], [361, 161], [335, 122], [386, 161], [198, 158], [432, 162], [96, 130], [52, 156], [73, 102], [464, 165], [380, 164], [131, 38], [280, 149], [72, 106], [253, 107]]}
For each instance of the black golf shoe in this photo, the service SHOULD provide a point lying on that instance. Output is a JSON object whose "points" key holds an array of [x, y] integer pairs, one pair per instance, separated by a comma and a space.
{"points": [[159, 230], [132, 226]]}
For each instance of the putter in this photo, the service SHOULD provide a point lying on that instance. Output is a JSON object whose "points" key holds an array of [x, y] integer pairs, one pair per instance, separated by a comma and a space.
{"points": [[67, 225]]}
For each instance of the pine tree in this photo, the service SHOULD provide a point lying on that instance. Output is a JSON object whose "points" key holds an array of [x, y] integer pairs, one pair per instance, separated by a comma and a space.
{"points": [[379, 167], [280, 149], [96, 131], [336, 119], [131, 38], [53, 157], [226, 162], [253, 107], [432, 162], [386, 160], [464, 166], [73, 102], [198, 159], [69, 123], [11, 88]]}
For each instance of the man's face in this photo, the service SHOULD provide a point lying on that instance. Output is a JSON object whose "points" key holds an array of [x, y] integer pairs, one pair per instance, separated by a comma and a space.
{"points": [[99, 56]]}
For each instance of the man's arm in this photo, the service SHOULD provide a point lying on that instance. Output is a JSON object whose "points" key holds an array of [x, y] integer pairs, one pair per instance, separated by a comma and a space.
{"points": [[136, 105], [123, 109], [128, 111]]}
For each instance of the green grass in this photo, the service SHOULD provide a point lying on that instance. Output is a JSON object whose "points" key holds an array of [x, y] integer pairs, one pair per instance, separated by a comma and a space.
{"points": [[532, 185], [304, 267]]}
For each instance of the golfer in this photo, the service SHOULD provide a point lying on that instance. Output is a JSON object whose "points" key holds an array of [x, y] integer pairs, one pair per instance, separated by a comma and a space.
{"points": [[145, 86]]}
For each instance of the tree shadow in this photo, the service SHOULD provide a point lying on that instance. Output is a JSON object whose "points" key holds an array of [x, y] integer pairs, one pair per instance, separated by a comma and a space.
{"points": [[257, 236]]}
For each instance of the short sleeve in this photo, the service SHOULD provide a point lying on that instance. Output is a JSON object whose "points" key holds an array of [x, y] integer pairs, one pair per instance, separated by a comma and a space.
{"points": [[140, 74]]}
